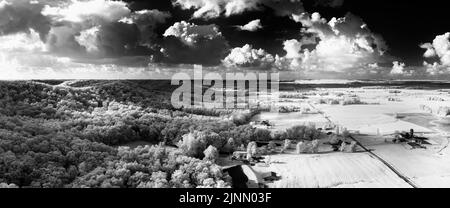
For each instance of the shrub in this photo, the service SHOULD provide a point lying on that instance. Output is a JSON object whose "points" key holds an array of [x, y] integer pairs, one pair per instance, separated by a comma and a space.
{"points": [[280, 136], [263, 150], [352, 147], [308, 147], [5, 185], [296, 133], [309, 133], [263, 135], [272, 146]]}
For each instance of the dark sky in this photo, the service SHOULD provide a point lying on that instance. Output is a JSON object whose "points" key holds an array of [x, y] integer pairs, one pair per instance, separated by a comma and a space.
{"points": [[404, 24]]}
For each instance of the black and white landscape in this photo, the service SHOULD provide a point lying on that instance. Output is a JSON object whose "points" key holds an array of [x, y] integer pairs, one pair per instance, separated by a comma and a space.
{"points": [[224, 94]]}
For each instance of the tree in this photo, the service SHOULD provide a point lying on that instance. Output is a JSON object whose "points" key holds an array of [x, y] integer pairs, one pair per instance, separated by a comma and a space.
{"points": [[287, 145], [5, 185], [263, 135], [211, 153], [230, 146], [190, 144], [272, 146], [311, 133], [334, 139], [296, 133], [301, 148], [251, 150], [345, 134], [343, 147], [352, 147], [315, 146], [159, 180], [280, 136]]}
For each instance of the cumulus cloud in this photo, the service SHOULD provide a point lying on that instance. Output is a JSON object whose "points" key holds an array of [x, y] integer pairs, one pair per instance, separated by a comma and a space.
{"points": [[22, 42], [440, 49], [246, 56], [373, 65], [190, 33], [92, 10], [293, 49], [350, 27], [61, 40], [399, 68], [252, 26], [194, 44], [88, 39], [430, 52], [22, 15], [25, 54], [3, 3], [436, 68], [294, 55], [343, 45], [215, 8]]}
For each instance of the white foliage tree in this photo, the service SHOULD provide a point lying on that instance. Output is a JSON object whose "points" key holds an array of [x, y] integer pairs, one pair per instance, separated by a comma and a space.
{"points": [[211, 153]]}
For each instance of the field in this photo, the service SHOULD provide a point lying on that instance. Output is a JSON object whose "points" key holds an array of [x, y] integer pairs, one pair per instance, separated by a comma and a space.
{"points": [[336, 170], [373, 120]]}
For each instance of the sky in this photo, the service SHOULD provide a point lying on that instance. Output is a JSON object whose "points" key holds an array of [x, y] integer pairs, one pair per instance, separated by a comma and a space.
{"points": [[301, 39]]}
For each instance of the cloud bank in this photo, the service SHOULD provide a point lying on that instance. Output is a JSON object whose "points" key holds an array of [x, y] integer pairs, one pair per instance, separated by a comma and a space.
{"points": [[46, 36], [208, 9], [343, 45], [77, 34]]}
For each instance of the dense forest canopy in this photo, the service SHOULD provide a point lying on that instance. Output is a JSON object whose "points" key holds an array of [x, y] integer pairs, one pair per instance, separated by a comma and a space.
{"points": [[68, 134]]}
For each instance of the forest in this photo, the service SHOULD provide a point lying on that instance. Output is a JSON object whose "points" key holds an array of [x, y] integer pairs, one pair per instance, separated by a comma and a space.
{"points": [[74, 134]]}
